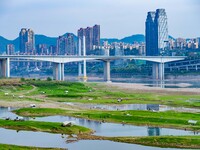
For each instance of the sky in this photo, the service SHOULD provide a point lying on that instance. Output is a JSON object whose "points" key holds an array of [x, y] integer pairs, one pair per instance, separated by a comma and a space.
{"points": [[117, 18]]}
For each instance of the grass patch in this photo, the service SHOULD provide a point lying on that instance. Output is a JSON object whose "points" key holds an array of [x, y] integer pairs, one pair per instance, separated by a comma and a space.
{"points": [[50, 127], [191, 142], [40, 112], [15, 147]]}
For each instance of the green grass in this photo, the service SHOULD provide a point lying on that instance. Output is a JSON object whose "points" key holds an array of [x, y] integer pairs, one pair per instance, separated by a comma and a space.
{"points": [[149, 118], [56, 88], [40, 112], [33, 90], [43, 127], [190, 142], [15, 147]]}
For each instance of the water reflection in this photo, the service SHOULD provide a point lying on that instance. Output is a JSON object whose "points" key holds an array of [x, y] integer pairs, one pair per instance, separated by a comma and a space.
{"points": [[152, 107], [153, 131]]}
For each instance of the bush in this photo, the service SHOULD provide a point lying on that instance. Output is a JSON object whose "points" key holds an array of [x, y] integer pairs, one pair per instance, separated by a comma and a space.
{"points": [[22, 79], [49, 79]]}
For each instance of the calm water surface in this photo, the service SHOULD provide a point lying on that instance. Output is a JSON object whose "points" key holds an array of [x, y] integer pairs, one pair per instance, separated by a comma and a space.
{"points": [[41, 139], [104, 129], [154, 107]]}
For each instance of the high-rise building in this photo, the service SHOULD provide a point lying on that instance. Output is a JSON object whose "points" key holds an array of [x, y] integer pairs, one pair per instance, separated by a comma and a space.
{"points": [[27, 41], [156, 32], [66, 45], [96, 35], [70, 44], [10, 49], [61, 45], [89, 38], [150, 34], [92, 38], [161, 28]]}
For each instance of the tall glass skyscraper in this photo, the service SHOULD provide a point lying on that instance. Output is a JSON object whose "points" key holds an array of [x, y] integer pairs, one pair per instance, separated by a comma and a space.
{"points": [[156, 32], [150, 34]]}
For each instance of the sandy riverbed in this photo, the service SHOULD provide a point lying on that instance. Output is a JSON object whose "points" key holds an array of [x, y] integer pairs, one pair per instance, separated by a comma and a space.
{"points": [[143, 88]]}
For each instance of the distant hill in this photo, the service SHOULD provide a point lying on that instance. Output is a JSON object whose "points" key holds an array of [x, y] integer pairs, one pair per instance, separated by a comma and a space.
{"points": [[3, 43], [134, 38], [130, 39], [39, 39], [42, 39]]}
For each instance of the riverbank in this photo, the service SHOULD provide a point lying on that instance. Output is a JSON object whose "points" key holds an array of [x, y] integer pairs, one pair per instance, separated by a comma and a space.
{"points": [[189, 142], [142, 88], [15, 147], [186, 142]]}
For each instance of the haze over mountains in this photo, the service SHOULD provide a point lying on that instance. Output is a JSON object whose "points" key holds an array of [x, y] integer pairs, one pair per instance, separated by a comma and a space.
{"points": [[42, 39]]}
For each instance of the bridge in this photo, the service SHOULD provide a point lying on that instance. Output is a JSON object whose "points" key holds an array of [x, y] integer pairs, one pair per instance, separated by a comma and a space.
{"points": [[186, 65], [59, 61]]}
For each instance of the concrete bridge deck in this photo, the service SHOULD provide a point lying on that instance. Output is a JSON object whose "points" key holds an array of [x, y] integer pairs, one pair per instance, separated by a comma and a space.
{"points": [[59, 61]]}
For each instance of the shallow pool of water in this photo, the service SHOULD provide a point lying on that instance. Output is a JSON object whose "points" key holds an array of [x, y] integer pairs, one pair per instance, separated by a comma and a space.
{"points": [[106, 129], [113, 129], [41, 139], [153, 107]]}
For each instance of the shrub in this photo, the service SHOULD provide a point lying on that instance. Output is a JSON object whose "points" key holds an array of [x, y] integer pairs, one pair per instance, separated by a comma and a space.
{"points": [[49, 79], [22, 79]]}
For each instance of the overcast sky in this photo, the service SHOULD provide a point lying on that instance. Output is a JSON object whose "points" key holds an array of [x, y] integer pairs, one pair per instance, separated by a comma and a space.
{"points": [[118, 18]]}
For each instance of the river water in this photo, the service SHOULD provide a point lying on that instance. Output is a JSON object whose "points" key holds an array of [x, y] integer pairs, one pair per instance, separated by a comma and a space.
{"points": [[41, 139], [150, 107]]}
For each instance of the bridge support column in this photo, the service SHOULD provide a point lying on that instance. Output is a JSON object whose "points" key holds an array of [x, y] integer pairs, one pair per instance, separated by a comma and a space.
{"points": [[80, 69], [107, 71], [58, 71], [162, 71], [155, 71], [84, 71], [62, 71], [5, 67]]}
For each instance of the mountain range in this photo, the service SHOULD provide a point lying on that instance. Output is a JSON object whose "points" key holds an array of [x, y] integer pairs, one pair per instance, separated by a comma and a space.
{"points": [[42, 39]]}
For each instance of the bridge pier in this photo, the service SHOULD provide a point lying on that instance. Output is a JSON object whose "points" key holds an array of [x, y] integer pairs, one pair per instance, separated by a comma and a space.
{"points": [[155, 70], [84, 71], [107, 71], [58, 71], [5, 67], [162, 71], [80, 69], [158, 71]]}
